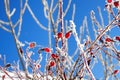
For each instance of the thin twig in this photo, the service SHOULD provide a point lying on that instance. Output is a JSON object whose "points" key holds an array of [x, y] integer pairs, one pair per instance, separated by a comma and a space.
{"points": [[73, 13], [4, 28], [34, 17], [68, 6]]}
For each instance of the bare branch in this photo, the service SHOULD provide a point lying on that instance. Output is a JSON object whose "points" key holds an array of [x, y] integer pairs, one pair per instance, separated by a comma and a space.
{"points": [[68, 6], [36, 18], [3, 22], [73, 14], [4, 28]]}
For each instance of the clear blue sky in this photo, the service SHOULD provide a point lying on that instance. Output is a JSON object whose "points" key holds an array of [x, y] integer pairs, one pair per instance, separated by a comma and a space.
{"points": [[32, 32]]}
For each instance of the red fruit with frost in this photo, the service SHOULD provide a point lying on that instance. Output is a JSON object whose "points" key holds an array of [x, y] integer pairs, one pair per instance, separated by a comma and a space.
{"points": [[116, 4], [54, 56], [109, 1], [32, 44], [48, 50], [59, 35], [117, 38], [52, 63], [108, 40], [68, 34], [115, 72]]}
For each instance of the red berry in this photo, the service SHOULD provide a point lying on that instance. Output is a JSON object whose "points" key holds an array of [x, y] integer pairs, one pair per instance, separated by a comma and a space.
{"points": [[116, 3], [109, 1], [32, 45], [115, 72], [3, 77], [117, 38], [54, 56], [52, 63], [47, 50], [59, 35], [108, 40], [68, 34]]}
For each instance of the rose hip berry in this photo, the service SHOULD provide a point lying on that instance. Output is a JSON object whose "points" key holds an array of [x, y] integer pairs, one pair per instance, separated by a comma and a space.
{"points": [[52, 63], [116, 4], [109, 1], [117, 38], [115, 72], [59, 35], [54, 56], [108, 40], [32, 44], [68, 34], [47, 50]]}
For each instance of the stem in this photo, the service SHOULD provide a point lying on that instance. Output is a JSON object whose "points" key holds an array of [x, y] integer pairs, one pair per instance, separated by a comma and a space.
{"points": [[15, 38], [102, 33], [81, 49], [61, 19]]}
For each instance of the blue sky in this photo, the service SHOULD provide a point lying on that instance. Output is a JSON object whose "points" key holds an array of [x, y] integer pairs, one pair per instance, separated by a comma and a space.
{"points": [[32, 32]]}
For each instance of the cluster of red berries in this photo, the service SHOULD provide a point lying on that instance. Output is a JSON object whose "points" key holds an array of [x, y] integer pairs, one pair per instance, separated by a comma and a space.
{"points": [[114, 3], [52, 62], [54, 56], [67, 35]]}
